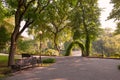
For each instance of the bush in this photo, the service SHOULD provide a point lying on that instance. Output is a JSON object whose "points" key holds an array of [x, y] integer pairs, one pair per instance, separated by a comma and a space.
{"points": [[68, 51], [97, 55], [117, 55], [49, 60], [51, 52]]}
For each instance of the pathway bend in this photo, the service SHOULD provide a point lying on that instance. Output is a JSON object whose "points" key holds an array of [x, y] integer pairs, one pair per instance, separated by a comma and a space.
{"points": [[73, 68]]}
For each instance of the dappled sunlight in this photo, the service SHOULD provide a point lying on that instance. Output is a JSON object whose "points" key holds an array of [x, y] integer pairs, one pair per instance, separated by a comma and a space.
{"points": [[73, 68], [60, 79], [51, 68]]}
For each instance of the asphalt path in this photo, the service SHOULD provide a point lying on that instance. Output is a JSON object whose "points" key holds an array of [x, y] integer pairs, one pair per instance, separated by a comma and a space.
{"points": [[73, 68]]}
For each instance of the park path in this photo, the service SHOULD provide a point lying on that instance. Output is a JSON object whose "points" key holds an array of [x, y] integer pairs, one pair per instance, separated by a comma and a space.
{"points": [[73, 68]]}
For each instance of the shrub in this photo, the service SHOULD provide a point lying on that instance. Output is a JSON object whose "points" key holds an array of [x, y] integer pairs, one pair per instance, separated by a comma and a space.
{"points": [[51, 52], [68, 51], [96, 55], [49, 60], [117, 55]]}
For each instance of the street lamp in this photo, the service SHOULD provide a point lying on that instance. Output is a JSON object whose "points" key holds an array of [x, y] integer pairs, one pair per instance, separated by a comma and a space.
{"points": [[40, 33]]}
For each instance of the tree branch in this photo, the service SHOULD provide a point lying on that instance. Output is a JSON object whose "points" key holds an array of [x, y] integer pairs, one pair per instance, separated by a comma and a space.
{"points": [[44, 6], [26, 8], [27, 24]]}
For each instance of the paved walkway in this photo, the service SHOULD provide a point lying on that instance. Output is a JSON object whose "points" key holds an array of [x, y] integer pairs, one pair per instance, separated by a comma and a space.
{"points": [[73, 68]]}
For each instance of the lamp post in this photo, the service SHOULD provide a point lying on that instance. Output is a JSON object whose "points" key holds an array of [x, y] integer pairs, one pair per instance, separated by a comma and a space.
{"points": [[40, 33]]}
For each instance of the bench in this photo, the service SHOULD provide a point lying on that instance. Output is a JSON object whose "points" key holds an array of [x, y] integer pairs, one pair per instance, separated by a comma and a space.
{"points": [[25, 62]]}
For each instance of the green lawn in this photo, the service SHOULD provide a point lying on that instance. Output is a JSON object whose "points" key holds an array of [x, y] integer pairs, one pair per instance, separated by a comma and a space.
{"points": [[3, 61], [4, 70]]}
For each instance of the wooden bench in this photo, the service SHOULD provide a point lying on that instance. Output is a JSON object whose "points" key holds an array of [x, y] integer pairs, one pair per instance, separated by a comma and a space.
{"points": [[25, 62]]}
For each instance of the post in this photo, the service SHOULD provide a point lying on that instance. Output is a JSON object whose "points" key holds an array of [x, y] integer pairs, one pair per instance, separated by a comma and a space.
{"points": [[40, 33]]}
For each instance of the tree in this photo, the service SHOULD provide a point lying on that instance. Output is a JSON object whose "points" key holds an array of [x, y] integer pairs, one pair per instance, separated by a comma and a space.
{"points": [[24, 10], [115, 14], [87, 22], [55, 22], [6, 26], [107, 44], [57, 17], [117, 31], [115, 11]]}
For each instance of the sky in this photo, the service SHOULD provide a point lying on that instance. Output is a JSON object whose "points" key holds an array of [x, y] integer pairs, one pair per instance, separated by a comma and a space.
{"points": [[107, 7]]}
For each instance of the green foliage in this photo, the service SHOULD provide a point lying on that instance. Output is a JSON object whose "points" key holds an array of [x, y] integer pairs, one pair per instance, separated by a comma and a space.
{"points": [[52, 17], [78, 35], [3, 11], [85, 22], [117, 31], [108, 44], [58, 22], [4, 37], [26, 46], [115, 14], [98, 46], [66, 44], [116, 55], [29, 11], [49, 60], [54, 23], [115, 11], [68, 51], [96, 55], [3, 59], [4, 70], [51, 52]]}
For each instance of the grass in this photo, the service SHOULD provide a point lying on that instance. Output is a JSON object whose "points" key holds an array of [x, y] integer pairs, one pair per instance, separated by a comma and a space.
{"points": [[3, 61], [4, 70]]}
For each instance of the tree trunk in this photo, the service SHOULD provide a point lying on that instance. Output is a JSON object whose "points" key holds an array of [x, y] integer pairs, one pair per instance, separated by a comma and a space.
{"points": [[55, 43], [12, 50], [87, 45], [14, 37], [87, 42]]}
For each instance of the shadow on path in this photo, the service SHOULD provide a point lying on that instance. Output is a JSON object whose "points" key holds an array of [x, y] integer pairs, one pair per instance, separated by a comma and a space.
{"points": [[73, 68]]}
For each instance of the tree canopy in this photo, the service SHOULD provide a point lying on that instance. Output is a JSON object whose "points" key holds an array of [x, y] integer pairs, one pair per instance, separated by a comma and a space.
{"points": [[4, 37], [54, 17], [23, 10], [85, 21], [115, 14]]}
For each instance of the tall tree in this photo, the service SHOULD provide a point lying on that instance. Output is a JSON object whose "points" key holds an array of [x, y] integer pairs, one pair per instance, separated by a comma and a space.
{"points": [[88, 20], [55, 21], [24, 10], [107, 43], [115, 14], [57, 17]]}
